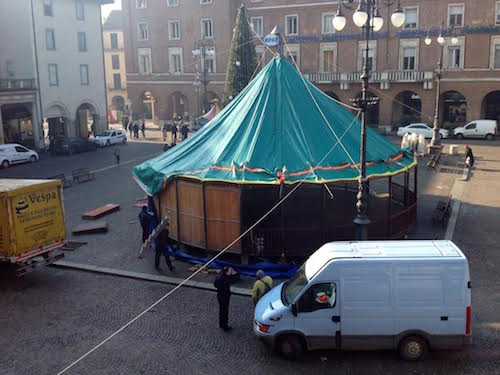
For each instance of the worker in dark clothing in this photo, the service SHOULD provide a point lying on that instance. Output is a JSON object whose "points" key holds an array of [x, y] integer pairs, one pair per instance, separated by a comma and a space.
{"points": [[144, 219], [184, 131], [174, 129], [469, 157], [162, 243], [223, 285]]}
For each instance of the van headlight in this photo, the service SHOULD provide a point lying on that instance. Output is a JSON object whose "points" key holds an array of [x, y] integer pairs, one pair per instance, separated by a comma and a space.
{"points": [[275, 318]]}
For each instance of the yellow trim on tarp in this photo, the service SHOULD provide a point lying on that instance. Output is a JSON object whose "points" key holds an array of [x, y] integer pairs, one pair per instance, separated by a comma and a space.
{"points": [[245, 182]]}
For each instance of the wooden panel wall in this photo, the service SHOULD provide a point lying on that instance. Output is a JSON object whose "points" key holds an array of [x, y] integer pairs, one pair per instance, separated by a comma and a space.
{"points": [[168, 206], [223, 216], [191, 215]]}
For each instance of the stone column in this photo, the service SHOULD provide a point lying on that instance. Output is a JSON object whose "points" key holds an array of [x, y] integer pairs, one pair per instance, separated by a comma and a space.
{"points": [[385, 111], [37, 127], [2, 137]]}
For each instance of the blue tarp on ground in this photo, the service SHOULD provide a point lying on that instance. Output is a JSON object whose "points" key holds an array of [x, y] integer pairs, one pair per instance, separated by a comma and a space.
{"points": [[276, 271]]}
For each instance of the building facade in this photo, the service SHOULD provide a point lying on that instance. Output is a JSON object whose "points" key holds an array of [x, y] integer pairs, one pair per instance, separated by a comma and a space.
{"points": [[403, 65], [114, 62], [162, 71], [176, 54], [51, 70]]}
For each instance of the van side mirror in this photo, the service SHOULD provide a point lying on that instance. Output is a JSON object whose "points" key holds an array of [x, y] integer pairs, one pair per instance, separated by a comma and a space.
{"points": [[294, 309]]}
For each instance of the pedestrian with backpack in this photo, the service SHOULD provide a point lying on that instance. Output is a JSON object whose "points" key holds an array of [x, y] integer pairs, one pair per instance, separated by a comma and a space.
{"points": [[263, 285]]}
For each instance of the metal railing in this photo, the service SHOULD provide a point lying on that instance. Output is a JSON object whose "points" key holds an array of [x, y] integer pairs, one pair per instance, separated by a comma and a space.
{"points": [[17, 84], [388, 76]]}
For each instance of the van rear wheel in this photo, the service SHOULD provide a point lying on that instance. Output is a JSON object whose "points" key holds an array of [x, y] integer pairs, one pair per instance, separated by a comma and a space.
{"points": [[489, 137], [413, 348], [290, 347]]}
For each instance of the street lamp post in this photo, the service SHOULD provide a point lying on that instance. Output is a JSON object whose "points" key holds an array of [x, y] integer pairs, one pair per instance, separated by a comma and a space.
{"points": [[367, 17], [435, 145], [196, 85], [203, 48]]}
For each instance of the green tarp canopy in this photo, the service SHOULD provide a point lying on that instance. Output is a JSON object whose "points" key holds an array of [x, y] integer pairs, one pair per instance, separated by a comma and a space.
{"points": [[274, 129]]}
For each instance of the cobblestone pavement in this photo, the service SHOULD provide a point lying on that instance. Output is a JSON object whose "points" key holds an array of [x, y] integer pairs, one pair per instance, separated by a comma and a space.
{"points": [[52, 317]]}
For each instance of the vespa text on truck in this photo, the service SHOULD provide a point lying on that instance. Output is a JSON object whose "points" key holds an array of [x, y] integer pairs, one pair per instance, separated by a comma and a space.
{"points": [[411, 296]]}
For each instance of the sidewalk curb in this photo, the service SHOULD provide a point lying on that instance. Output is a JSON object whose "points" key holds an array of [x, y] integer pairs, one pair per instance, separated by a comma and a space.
{"points": [[145, 276], [457, 191]]}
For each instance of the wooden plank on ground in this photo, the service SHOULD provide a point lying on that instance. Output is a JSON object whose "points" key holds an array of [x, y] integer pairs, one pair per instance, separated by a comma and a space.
{"points": [[141, 203], [101, 211], [89, 228]]}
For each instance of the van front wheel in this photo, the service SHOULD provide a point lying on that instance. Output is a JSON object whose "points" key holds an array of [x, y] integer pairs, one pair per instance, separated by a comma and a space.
{"points": [[413, 348], [290, 347]]}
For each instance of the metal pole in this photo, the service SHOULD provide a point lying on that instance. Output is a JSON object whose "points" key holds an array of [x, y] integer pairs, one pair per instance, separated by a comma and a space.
{"points": [[362, 221], [435, 146], [436, 137], [205, 72]]}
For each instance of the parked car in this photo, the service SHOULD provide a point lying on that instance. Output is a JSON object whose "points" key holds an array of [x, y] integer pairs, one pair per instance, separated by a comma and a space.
{"points": [[110, 137], [13, 153], [421, 128], [71, 146], [477, 129], [411, 296]]}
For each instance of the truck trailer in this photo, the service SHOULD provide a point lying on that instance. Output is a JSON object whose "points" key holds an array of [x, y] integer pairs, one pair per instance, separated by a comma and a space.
{"points": [[32, 228]]}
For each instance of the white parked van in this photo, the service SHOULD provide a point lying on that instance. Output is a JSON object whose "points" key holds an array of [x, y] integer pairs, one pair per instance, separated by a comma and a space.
{"points": [[477, 129], [411, 296]]}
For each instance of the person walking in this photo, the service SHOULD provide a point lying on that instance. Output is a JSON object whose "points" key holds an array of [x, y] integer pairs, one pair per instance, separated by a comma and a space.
{"points": [[223, 285], [262, 285], [144, 219], [136, 130], [164, 130], [184, 131], [469, 157], [143, 129], [162, 243], [174, 133], [131, 130], [117, 154]]}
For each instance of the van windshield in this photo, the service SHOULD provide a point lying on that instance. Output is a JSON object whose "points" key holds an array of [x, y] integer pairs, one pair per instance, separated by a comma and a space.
{"points": [[294, 286]]}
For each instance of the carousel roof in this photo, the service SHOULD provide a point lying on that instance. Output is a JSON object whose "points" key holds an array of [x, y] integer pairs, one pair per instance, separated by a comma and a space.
{"points": [[273, 127]]}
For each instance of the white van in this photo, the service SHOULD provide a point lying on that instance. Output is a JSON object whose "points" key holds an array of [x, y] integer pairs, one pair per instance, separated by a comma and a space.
{"points": [[411, 296], [13, 153], [477, 129]]}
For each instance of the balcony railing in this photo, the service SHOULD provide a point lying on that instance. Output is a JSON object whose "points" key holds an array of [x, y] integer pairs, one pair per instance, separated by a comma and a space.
{"points": [[387, 76], [16, 84]]}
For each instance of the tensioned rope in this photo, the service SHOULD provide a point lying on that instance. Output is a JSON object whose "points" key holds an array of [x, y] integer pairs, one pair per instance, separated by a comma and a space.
{"points": [[321, 111], [371, 88], [279, 203]]}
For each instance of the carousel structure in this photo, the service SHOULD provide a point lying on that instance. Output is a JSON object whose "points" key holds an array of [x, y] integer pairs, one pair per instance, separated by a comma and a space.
{"points": [[281, 130]]}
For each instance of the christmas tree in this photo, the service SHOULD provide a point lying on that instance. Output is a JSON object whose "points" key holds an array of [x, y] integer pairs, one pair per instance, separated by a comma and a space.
{"points": [[242, 59]]}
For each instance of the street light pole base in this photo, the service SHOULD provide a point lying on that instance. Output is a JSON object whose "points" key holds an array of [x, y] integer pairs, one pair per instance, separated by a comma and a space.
{"points": [[361, 223], [434, 149]]}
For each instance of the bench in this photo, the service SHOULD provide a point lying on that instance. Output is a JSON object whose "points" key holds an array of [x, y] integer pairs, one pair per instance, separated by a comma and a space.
{"points": [[64, 181], [442, 211], [433, 161], [82, 175]]}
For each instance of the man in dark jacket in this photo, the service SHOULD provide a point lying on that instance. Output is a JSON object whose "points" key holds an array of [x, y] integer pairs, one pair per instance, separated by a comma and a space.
{"points": [[174, 129], [184, 131], [469, 157], [144, 219], [162, 243], [223, 285]]}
